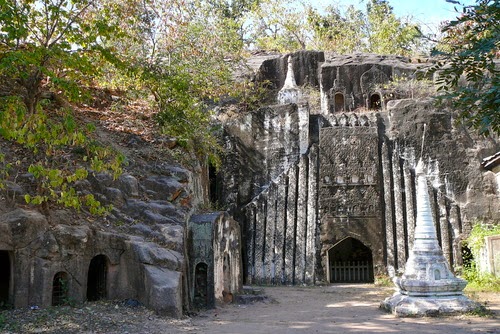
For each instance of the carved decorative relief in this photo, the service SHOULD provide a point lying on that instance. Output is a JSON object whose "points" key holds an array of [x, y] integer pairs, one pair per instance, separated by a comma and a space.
{"points": [[349, 177]]}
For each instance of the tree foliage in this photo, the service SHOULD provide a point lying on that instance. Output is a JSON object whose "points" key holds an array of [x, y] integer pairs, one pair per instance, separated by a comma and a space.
{"points": [[470, 51], [287, 25], [47, 50]]}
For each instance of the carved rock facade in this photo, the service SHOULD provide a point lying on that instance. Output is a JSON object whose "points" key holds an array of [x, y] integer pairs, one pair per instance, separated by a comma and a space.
{"points": [[328, 194]]}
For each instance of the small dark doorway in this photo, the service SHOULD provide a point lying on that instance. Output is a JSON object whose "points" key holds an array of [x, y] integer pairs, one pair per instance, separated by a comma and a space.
{"points": [[226, 272], [213, 186], [4, 278], [375, 102], [350, 261], [201, 285], [60, 289], [96, 283], [339, 102]]}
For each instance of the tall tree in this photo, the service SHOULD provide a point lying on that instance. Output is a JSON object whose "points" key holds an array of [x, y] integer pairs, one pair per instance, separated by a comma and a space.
{"points": [[279, 25], [336, 30], [49, 46], [470, 50], [388, 34], [376, 30]]}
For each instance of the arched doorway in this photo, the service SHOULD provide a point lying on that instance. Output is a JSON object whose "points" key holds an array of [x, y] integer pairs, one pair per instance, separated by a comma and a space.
{"points": [[339, 102], [96, 282], [375, 102], [60, 289], [5, 273], [349, 261], [201, 285]]}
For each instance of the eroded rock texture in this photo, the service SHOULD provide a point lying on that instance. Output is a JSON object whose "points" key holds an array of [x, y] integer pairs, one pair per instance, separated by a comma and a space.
{"points": [[329, 194], [137, 253]]}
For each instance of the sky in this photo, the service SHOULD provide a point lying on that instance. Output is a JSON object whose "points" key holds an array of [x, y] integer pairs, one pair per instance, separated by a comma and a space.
{"points": [[429, 13]]}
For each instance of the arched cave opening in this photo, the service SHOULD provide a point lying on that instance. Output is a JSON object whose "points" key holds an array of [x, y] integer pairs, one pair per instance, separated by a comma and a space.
{"points": [[350, 261], [201, 285], [97, 276], [375, 102], [5, 273], [60, 289], [339, 102]]}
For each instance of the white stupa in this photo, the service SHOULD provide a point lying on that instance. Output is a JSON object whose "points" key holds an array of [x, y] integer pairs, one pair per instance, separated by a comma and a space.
{"points": [[427, 287], [290, 92]]}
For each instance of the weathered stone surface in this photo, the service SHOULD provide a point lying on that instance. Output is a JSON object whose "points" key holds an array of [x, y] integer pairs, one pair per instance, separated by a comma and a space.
{"points": [[164, 188], [128, 184], [152, 254], [23, 227], [163, 290]]}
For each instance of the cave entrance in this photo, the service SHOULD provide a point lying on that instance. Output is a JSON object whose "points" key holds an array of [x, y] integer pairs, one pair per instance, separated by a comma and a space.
{"points": [[339, 102], [60, 289], [375, 102], [5, 275], [350, 261], [201, 285], [213, 184], [96, 282]]}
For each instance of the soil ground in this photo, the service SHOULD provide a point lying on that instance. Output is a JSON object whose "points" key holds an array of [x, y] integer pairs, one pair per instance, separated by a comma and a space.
{"points": [[339, 308]]}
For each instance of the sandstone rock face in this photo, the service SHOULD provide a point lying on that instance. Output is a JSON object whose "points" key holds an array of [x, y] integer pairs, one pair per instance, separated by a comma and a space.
{"points": [[136, 252], [343, 208]]}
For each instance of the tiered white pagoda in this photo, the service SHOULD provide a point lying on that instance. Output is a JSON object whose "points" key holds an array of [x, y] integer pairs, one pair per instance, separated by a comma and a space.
{"points": [[427, 287]]}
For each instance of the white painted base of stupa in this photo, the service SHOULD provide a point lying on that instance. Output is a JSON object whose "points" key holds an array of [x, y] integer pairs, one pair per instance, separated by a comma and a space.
{"points": [[410, 306]]}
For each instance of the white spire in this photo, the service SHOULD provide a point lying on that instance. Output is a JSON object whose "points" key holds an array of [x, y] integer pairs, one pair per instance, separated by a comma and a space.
{"points": [[290, 76]]}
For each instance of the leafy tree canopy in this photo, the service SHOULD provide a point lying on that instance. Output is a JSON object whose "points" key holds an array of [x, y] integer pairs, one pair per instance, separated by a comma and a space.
{"points": [[470, 51], [287, 25]]}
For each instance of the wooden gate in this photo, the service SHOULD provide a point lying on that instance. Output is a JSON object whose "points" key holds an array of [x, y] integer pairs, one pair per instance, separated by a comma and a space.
{"points": [[351, 272]]}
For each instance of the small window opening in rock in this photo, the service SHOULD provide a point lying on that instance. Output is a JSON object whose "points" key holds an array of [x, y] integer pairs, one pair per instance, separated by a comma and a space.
{"points": [[375, 102], [339, 102], [96, 283], [5, 273], [226, 269], [60, 289], [201, 285], [350, 261]]}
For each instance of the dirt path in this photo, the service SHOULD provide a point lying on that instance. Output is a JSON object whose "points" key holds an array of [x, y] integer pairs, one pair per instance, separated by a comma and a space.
{"points": [[334, 309], [321, 309]]}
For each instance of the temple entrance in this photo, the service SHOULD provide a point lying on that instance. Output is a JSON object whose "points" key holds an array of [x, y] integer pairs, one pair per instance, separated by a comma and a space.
{"points": [[349, 261], [96, 283], [201, 285], [375, 102], [60, 289], [5, 273], [339, 102]]}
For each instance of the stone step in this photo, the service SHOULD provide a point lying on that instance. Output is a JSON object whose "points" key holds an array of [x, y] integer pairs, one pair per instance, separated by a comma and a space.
{"points": [[249, 299], [251, 290]]}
